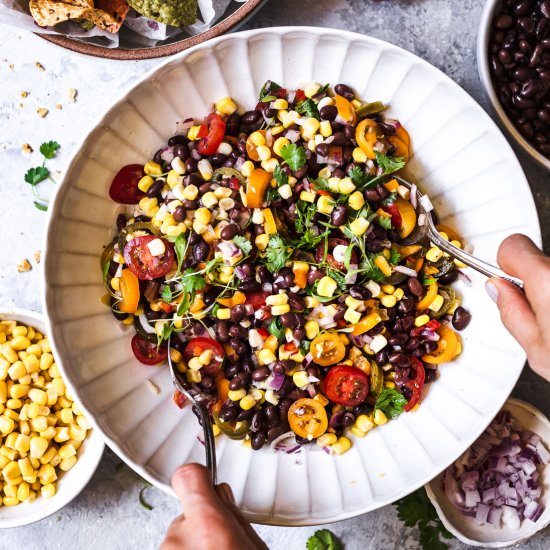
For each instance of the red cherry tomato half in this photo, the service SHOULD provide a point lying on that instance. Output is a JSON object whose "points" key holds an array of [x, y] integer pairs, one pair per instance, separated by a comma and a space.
{"points": [[179, 399], [142, 263], [196, 346], [147, 352], [346, 385], [216, 130], [332, 244], [416, 383], [392, 209], [124, 188], [300, 96], [257, 299]]}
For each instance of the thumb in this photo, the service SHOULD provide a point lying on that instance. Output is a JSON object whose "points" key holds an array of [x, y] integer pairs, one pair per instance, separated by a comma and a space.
{"points": [[515, 312], [192, 484]]}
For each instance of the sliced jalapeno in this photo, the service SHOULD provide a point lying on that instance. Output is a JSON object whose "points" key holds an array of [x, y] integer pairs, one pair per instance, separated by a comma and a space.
{"points": [[132, 228]]}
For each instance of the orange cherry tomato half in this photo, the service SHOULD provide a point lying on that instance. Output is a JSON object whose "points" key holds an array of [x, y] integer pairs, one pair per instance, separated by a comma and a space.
{"points": [[346, 385], [446, 347], [408, 217], [148, 353], [256, 187], [251, 147], [216, 130], [307, 418], [401, 148], [129, 288], [327, 349]]}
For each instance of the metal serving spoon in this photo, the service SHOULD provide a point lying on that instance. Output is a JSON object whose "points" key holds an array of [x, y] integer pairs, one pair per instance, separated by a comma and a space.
{"points": [[479, 265], [181, 384]]}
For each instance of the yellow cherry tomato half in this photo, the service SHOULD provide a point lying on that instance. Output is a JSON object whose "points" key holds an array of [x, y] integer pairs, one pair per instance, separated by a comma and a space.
{"points": [[408, 217], [446, 347], [129, 288], [327, 349], [256, 187], [426, 302], [307, 418], [366, 135]]}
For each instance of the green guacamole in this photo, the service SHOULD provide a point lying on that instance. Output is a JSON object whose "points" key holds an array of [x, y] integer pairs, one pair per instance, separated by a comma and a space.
{"points": [[170, 12]]}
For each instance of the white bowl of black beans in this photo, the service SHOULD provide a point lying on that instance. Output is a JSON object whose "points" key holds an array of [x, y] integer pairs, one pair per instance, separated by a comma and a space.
{"points": [[513, 57]]}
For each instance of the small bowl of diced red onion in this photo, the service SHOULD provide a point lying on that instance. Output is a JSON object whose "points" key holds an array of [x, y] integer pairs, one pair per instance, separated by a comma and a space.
{"points": [[497, 494]]}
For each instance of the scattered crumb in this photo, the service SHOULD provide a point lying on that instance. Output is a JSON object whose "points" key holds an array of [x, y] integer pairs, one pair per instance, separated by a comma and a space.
{"points": [[21, 105], [42, 112], [24, 266], [56, 176], [24, 94], [151, 385], [37, 256], [59, 106], [72, 95], [382, 476], [39, 66], [11, 66], [26, 148]]}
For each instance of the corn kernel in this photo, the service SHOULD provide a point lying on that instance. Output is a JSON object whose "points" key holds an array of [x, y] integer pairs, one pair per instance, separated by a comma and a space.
{"points": [[399, 293], [364, 423], [247, 402], [261, 241], [19, 390], [310, 127], [266, 356], [236, 395], [277, 299], [345, 186], [379, 417], [437, 303], [352, 316], [359, 155], [25, 467], [38, 396], [279, 104], [226, 106], [300, 379], [434, 254], [359, 226], [312, 329], [342, 445], [19, 330], [280, 310], [357, 432], [307, 196], [247, 168], [144, 183], [325, 205], [382, 264], [326, 287], [257, 138], [388, 300], [11, 471], [356, 200], [279, 144], [48, 491], [66, 451], [38, 446], [327, 439], [17, 370], [67, 463], [421, 320], [325, 128]]}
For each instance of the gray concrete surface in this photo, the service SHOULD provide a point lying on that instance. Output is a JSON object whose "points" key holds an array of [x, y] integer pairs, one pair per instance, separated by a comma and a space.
{"points": [[107, 514]]}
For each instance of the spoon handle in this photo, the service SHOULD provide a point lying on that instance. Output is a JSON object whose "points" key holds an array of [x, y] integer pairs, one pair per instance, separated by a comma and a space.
{"points": [[479, 265], [209, 442]]}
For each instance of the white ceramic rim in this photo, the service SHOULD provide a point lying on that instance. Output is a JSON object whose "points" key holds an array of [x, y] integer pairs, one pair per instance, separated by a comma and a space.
{"points": [[510, 404], [316, 31], [484, 71], [95, 443]]}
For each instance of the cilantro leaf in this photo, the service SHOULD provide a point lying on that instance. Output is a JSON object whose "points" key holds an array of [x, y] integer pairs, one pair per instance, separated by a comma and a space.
{"points": [[384, 222], [105, 271], [49, 148], [390, 199], [370, 269], [276, 329], [280, 176], [294, 156], [360, 178], [166, 293], [390, 165], [394, 256], [192, 281], [243, 243], [272, 194], [322, 90], [277, 253], [321, 184], [303, 224], [309, 108], [180, 245], [339, 277], [268, 88], [323, 540], [390, 402], [36, 175], [416, 510], [347, 256], [40, 206]]}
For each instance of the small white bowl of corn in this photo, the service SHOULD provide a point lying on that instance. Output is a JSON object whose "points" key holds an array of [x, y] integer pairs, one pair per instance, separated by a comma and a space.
{"points": [[48, 449]]}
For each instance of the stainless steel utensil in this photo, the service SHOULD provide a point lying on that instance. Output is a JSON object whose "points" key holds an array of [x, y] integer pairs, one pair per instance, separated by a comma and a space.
{"points": [[475, 263], [199, 404]]}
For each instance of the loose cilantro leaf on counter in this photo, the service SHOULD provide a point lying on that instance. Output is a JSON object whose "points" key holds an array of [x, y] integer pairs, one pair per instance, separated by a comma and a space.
{"points": [[243, 243], [49, 148], [294, 156], [390, 164], [277, 253], [309, 108], [40, 206], [390, 402], [36, 175], [416, 510], [323, 540]]}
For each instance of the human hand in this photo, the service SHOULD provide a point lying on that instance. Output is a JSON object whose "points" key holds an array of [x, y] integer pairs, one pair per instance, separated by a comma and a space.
{"points": [[210, 519], [525, 314]]}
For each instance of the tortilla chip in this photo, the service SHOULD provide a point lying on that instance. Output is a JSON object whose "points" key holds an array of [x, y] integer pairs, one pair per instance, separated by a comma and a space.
{"points": [[48, 13], [109, 14]]}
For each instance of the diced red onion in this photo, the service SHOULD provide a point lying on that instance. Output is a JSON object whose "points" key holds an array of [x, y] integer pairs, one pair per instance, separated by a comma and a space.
{"points": [[311, 390], [196, 155], [183, 126], [238, 163], [322, 160], [464, 278], [240, 273], [482, 513], [291, 97], [287, 435], [267, 287], [249, 309], [335, 156], [426, 203], [145, 324], [167, 154], [421, 220], [405, 270], [329, 140], [277, 380], [293, 136], [430, 335], [379, 147], [413, 196], [392, 122]]}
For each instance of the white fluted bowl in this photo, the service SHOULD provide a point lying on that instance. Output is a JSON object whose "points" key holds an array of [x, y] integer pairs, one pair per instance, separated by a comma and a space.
{"points": [[70, 483], [461, 158]]}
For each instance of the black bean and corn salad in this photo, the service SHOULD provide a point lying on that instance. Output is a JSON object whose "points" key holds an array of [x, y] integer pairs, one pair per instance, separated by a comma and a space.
{"points": [[289, 267]]}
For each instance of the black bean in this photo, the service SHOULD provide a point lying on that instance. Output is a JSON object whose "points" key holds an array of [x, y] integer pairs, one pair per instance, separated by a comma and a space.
{"points": [[461, 318], [229, 231], [235, 384], [400, 360], [322, 149], [429, 347], [257, 421], [504, 21], [274, 433], [449, 277], [376, 245], [313, 276], [227, 414], [348, 419], [250, 117], [264, 274], [191, 164], [190, 204], [405, 305], [344, 91], [296, 302], [179, 214], [339, 215], [236, 331], [245, 415], [271, 413], [412, 344], [328, 112], [360, 292], [415, 286], [430, 376], [238, 313], [155, 188], [121, 222], [257, 440], [339, 139], [201, 251], [238, 346], [249, 285], [381, 357], [397, 339]]}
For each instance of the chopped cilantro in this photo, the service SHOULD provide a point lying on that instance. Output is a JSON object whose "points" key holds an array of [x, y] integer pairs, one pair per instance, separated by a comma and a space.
{"points": [[394, 256], [339, 277], [268, 88], [322, 90], [321, 184], [276, 329], [384, 222], [390, 199], [360, 178], [277, 253], [390, 402], [49, 148], [243, 243], [36, 175], [166, 293], [416, 510], [323, 540], [180, 246], [294, 156], [309, 108], [192, 281], [280, 176], [390, 165], [272, 194]]}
